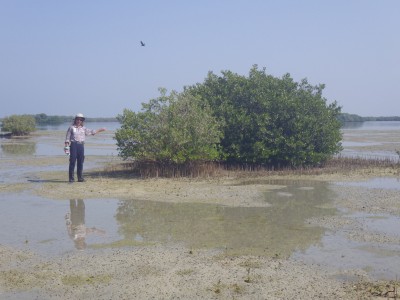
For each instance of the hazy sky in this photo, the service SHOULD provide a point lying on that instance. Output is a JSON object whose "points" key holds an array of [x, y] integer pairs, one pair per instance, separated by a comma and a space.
{"points": [[64, 57]]}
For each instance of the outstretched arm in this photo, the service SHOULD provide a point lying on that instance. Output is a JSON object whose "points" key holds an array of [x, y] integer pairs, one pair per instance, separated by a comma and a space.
{"points": [[99, 130]]}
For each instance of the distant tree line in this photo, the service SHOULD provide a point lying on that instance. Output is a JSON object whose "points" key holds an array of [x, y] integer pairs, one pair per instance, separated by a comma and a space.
{"points": [[345, 117], [101, 119], [43, 119]]}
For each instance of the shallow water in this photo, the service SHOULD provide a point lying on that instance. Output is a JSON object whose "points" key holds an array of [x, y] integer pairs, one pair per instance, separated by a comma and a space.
{"points": [[38, 224], [373, 125], [337, 251], [378, 140], [49, 141], [41, 225], [280, 229], [375, 183], [276, 230]]}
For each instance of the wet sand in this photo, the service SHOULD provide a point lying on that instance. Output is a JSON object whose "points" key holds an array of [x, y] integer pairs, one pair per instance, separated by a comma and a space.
{"points": [[172, 271], [175, 272]]}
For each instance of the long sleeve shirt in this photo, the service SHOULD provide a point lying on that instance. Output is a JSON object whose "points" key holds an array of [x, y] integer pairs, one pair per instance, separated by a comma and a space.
{"points": [[78, 134]]}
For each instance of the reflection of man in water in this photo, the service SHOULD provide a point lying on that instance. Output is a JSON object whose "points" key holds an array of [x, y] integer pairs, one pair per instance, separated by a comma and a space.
{"points": [[76, 227]]}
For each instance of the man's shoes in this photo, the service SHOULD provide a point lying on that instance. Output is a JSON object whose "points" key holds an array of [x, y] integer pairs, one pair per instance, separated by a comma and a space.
{"points": [[81, 180], [71, 181]]}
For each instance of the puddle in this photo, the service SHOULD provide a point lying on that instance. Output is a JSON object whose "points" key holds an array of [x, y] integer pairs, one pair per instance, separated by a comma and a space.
{"points": [[276, 230], [38, 224], [383, 224], [338, 252], [375, 183], [55, 227]]}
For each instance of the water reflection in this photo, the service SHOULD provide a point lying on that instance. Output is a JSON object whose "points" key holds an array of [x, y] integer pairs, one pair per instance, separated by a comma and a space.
{"points": [[277, 230], [19, 148], [280, 229], [76, 225]]}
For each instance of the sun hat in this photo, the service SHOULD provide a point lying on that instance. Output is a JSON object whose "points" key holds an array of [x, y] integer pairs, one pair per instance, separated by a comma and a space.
{"points": [[79, 115]]}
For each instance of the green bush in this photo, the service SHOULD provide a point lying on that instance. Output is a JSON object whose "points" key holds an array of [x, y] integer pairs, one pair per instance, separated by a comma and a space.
{"points": [[175, 128], [259, 119], [269, 120], [19, 125]]}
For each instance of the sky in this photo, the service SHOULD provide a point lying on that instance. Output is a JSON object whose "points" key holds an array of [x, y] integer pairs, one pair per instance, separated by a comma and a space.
{"points": [[67, 57]]}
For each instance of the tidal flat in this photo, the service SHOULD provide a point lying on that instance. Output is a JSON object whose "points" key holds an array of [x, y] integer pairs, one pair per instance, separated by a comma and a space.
{"points": [[330, 234]]}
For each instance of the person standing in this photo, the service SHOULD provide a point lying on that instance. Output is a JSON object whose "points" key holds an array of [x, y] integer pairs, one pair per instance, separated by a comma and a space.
{"points": [[75, 140]]}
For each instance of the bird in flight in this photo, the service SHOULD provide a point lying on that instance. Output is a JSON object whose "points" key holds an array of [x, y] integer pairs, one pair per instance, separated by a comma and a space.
{"points": [[142, 44]]}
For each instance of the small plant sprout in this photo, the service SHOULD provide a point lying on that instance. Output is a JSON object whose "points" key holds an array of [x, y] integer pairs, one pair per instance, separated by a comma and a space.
{"points": [[247, 280]]}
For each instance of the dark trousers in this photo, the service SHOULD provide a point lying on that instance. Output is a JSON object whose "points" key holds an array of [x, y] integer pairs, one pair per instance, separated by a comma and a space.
{"points": [[77, 155]]}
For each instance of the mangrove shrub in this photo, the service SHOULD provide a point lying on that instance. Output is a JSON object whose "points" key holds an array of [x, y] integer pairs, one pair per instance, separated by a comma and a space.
{"points": [[270, 120], [176, 128], [19, 125]]}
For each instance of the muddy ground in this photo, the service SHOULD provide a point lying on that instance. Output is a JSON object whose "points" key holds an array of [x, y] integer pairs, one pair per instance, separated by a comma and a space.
{"points": [[175, 272]]}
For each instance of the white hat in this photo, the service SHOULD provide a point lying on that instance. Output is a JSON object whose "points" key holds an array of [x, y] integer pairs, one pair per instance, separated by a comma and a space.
{"points": [[79, 115]]}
